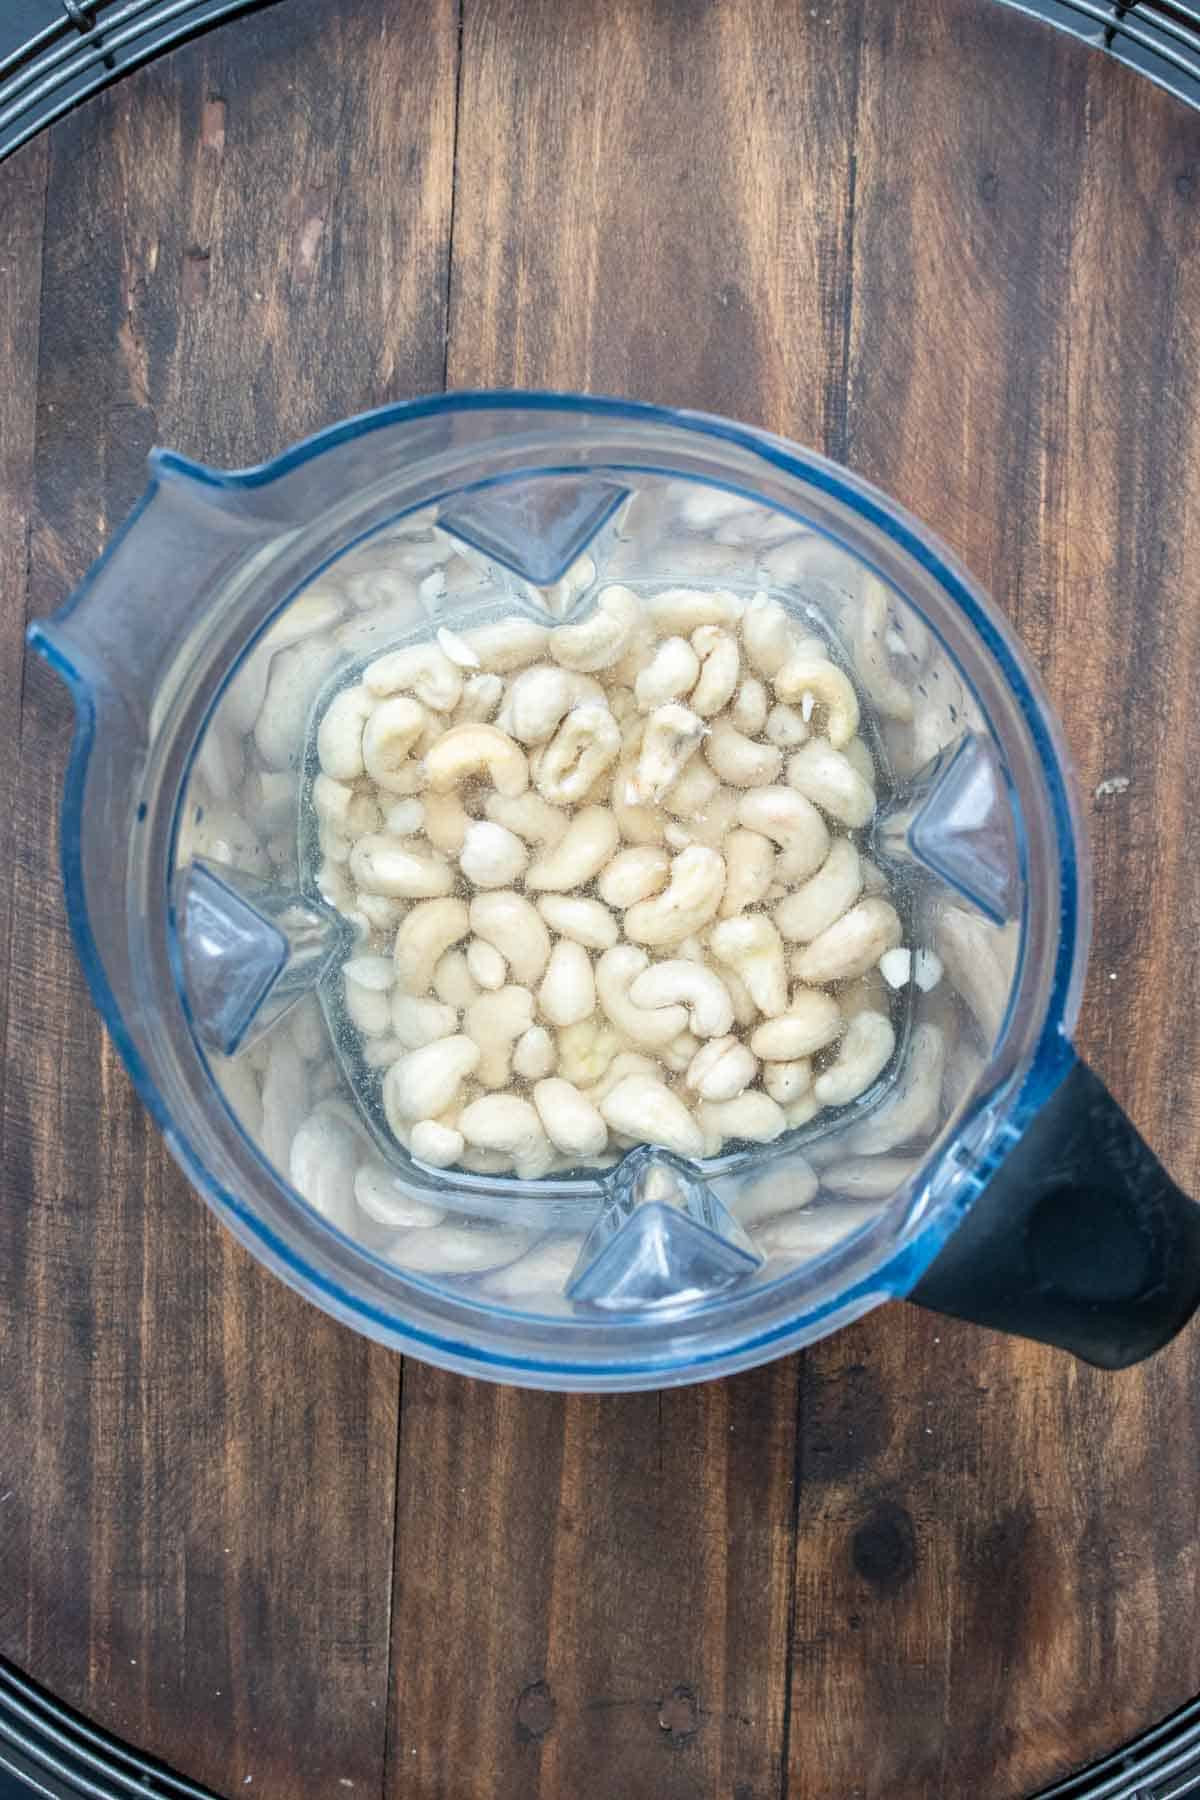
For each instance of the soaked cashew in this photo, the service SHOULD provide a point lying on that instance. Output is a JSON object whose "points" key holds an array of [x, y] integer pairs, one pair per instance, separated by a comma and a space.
{"points": [[710, 1010], [868, 1177], [426, 1082], [794, 823], [637, 824], [720, 667], [750, 861], [911, 1110], [829, 779], [647, 1110], [738, 760], [476, 749], [384, 865], [570, 1120], [812, 1020], [825, 686], [423, 934], [752, 1116], [749, 709], [752, 947], [383, 1197], [481, 696], [694, 792], [417, 1021], [296, 677], [453, 982], [671, 735], [677, 612], [585, 848], [811, 909], [671, 675], [786, 1082], [511, 1126], [850, 946], [586, 744], [487, 967], [690, 899], [862, 1056], [508, 645], [586, 921], [494, 1022], [616, 972], [435, 1144], [767, 635], [531, 817], [321, 1167], [586, 1051], [568, 990], [491, 856], [534, 1055], [721, 1069], [340, 733], [537, 702], [887, 694], [421, 669], [786, 727], [513, 925], [599, 640], [634, 875]]}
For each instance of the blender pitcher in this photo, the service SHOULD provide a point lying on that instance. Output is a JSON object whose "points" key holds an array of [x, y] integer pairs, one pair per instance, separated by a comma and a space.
{"points": [[983, 1171]]}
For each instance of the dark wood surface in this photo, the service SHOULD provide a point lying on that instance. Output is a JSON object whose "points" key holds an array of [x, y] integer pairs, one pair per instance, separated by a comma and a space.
{"points": [[921, 1562]]}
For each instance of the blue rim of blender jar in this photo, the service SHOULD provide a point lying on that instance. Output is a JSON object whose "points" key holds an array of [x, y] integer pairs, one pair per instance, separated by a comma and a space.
{"points": [[1052, 1055]]}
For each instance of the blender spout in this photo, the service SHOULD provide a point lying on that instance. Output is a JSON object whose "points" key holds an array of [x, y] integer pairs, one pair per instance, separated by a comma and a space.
{"points": [[663, 1240]]}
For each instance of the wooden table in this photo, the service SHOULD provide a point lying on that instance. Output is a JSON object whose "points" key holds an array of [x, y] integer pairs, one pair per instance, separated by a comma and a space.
{"points": [[959, 253]]}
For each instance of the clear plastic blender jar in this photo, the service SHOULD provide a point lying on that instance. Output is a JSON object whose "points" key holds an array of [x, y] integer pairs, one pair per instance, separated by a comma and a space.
{"points": [[982, 1169]]}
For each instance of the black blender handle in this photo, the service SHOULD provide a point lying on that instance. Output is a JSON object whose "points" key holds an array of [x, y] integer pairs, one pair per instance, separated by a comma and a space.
{"points": [[1080, 1239]]}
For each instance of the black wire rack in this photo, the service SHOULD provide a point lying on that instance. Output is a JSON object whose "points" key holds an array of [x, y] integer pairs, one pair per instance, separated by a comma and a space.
{"points": [[55, 54]]}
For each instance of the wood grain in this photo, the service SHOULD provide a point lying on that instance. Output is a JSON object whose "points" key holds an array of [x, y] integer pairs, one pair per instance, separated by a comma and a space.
{"points": [[922, 1562], [199, 1468]]}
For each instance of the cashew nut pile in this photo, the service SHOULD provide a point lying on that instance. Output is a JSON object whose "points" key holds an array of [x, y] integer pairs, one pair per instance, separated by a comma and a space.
{"points": [[607, 883]]}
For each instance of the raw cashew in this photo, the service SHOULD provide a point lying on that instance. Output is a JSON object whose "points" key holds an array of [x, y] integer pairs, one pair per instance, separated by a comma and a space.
{"points": [[616, 972], [795, 825], [868, 1177], [647, 1110], [510, 1125], [980, 961], [786, 727], [568, 990], [671, 735], [386, 1200], [509, 644], [690, 900], [586, 744], [534, 1055], [710, 1010], [494, 1022], [693, 793], [586, 921], [861, 760], [535, 704], [531, 817], [340, 733], [321, 1166], [912, 1109], [404, 818], [752, 947], [541, 1274], [738, 760], [826, 686], [586, 1051], [677, 612], [512, 923], [420, 669], [366, 981], [828, 778], [749, 709], [711, 827], [677, 1055], [753, 1116], [416, 1021], [637, 824], [474, 749], [487, 967], [889, 695], [850, 946], [481, 696], [624, 1064], [744, 1010], [424, 933], [386, 865], [331, 801], [862, 1056], [721, 1069], [426, 1081], [453, 982], [435, 1144], [812, 1020], [787, 1081], [824, 898], [767, 635], [634, 875], [598, 641], [750, 861], [391, 731], [812, 1230], [491, 856], [569, 1119], [720, 666], [295, 680], [461, 1249], [670, 676], [589, 842]]}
